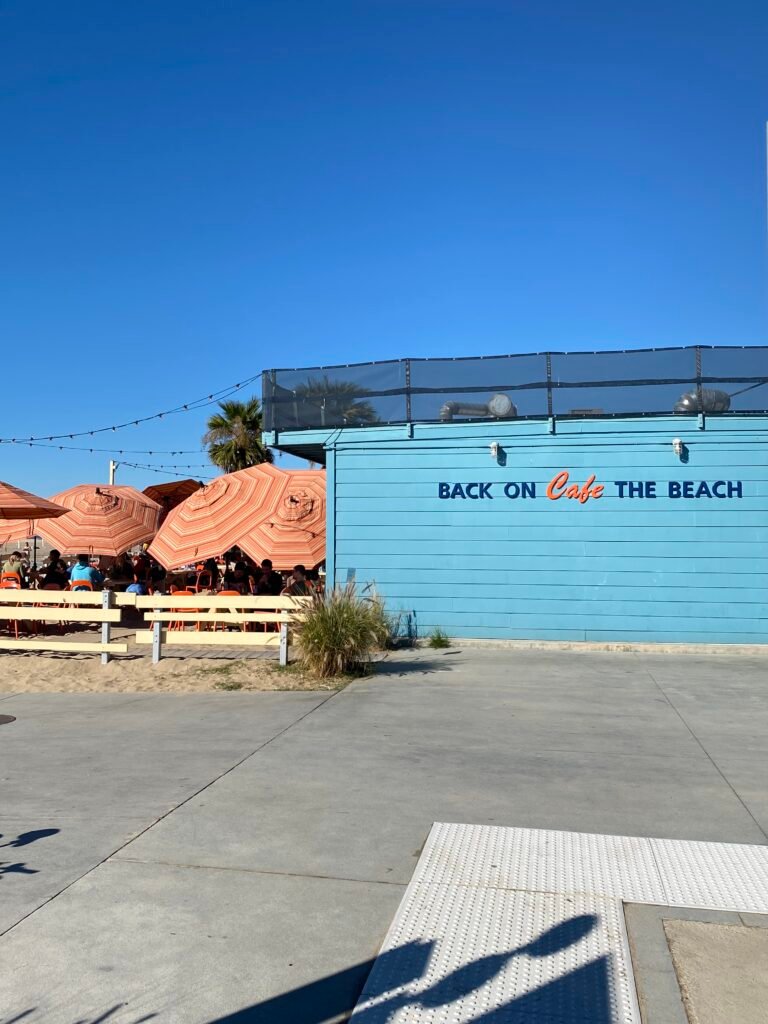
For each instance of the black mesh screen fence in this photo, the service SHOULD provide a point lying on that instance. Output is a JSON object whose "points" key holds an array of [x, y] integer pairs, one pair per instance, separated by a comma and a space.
{"points": [[635, 382]]}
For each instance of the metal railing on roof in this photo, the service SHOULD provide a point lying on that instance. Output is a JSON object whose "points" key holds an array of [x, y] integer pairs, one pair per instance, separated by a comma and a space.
{"points": [[634, 382]]}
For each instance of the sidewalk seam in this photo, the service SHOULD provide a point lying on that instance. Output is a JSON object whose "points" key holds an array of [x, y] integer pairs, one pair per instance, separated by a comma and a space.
{"points": [[707, 754], [254, 871], [181, 803]]}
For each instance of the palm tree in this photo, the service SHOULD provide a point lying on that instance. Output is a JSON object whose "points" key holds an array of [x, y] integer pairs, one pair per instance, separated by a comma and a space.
{"points": [[233, 437], [336, 401]]}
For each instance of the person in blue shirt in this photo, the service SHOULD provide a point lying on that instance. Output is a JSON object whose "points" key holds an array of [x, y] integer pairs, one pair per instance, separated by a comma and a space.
{"points": [[138, 586], [83, 570]]}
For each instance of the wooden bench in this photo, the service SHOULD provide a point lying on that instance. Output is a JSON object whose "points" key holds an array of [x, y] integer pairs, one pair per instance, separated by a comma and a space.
{"points": [[207, 611]]}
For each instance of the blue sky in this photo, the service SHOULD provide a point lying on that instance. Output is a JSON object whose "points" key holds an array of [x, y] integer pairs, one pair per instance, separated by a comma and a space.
{"points": [[191, 192]]}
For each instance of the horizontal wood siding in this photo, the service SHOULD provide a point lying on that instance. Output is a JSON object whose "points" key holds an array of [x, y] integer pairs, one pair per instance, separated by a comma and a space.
{"points": [[636, 569]]}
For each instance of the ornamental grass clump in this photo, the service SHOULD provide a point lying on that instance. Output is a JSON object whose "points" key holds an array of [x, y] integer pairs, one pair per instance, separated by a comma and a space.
{"points": [[339, 632], [439, 638]]}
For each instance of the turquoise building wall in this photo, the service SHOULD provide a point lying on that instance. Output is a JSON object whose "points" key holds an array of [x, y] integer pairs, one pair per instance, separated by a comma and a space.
{"points": [[633, 568]]}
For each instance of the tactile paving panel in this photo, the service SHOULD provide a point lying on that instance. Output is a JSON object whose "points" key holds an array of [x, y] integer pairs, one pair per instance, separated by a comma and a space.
{"points": [[459, 954], [526, 925], [714, 876], [540, 860]]}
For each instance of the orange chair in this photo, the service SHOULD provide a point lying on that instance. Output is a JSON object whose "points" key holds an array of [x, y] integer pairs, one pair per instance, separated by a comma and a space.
{"points": [[178, 624], [200, 585], [72, 587], [51, 586], [79, 585], [10, 577], [8, 584], [229, 593], [41, 627]]}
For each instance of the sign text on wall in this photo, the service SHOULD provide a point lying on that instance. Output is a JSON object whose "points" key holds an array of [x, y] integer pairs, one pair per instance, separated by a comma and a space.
{"points": [[561, 486]]}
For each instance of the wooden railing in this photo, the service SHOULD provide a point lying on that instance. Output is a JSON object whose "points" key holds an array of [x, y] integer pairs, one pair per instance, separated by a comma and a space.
{"points": [[25, 608], [171, 616], [204, 620]]}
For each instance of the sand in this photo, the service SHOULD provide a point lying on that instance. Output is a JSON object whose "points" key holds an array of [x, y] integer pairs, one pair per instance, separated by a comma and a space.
{"points": [[721, 969], [51, 673]]}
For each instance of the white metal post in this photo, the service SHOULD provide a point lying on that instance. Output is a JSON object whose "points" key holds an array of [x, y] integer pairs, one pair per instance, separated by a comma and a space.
{"points": [[284, 644], [157, 641], [107, 602]]}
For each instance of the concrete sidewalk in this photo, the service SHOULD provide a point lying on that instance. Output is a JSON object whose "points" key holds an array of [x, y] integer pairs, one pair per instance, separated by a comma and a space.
{"points": [[239, 856]]}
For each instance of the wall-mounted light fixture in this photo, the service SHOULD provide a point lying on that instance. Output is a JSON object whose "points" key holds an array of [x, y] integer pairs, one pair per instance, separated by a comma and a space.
{"points": [[494, 450], [678, 447]]}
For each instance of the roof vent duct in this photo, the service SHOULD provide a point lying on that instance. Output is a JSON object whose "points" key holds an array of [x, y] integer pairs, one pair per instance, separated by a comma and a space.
{"points": [[711, 401], [500, 407]]}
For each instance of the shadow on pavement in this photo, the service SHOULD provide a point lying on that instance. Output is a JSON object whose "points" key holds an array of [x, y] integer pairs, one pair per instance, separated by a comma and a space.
{"points": [[582, 994], [23, 839], [409, 666], [101, 1019]]}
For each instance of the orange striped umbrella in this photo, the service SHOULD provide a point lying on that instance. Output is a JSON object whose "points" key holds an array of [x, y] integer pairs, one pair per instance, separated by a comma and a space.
{"points": [[19, 509], [18, 504], [290, 528], [101, 520], [214, 518], [169, 495]]}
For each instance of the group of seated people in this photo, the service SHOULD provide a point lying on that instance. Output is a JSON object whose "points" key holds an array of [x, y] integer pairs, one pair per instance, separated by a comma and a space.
{"points": [[54, 574], [141, 574], [246, 576], [137, 573]]}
